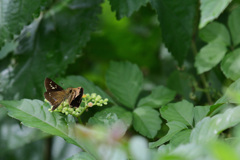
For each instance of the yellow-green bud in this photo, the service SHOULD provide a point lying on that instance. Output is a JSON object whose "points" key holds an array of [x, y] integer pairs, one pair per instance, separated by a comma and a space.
{"points": [[105, 100], [101, 101], [98, 98], [93, 95]]}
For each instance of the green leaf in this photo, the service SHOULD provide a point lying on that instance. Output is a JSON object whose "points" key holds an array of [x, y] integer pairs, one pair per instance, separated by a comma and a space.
{"points": [[232, 94], [7, 48], [34, 113], [200, 112], [48, 45], [15, 14], [211, 10], [124, 80], [88, 86], [174, 128], [215, 32], [159, 96], [181, 137], [209, 56], [234, 23], [110, 116], [180, 112], [230, 65], [82, 156], [177, 24], [181, 82], [146, 121], [209, 128], [126, 7]]}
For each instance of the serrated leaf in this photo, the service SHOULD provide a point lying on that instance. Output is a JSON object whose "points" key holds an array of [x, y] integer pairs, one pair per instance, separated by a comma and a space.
{"points": [[124, 80], [177, 24], [82, 156], [17, 13], [230, 65], [159, 96], [209, 128], [146, 121], [209, 56], [88, 86], [181, 137], [34, 113], [180, 112], [126, 7], [110, 116], [211, 10], [174, 128], [200, 112], [234, 23], [232, 94], [48, 45], [215, 32]]}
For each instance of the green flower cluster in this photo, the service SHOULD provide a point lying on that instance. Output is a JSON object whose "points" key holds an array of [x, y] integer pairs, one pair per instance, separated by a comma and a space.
{"points": [[87, 101]]}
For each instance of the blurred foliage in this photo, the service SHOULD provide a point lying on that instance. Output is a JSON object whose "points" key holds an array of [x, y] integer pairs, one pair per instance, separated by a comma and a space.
{"points": [[169, 69]]}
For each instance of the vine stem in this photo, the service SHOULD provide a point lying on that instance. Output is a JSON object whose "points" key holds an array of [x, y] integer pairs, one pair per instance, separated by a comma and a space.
{"points": [[202, 76]]}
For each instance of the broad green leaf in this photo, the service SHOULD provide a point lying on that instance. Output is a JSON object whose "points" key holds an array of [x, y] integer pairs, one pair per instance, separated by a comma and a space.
{"points": [[48, 45], [181, 137], [234, 23], [174, 128], [82, 156], [126, 7], [7, 48], [230, 65], [208, 129], [17, 13], [159, 96], [180, 112], [89, 87], [232, 94], [209, 56], [211, 10], [200, 112], [177, 24], [215, 32], [146, 121], [110, 116], [34, 113], [124, 80]]}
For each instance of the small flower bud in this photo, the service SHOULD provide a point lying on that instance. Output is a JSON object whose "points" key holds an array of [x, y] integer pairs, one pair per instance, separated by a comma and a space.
{"points": [[93, 95], [101, 101], [84, 96], [87, 95], [98, 98], [90, 104], [105, 100]]}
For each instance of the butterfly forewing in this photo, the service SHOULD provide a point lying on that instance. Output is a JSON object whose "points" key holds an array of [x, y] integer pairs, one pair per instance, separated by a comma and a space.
{"points": [[50, 85]]}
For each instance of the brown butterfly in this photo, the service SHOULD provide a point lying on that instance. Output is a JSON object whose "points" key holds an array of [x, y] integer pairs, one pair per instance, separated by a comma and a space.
{"points": [[56, 94]]}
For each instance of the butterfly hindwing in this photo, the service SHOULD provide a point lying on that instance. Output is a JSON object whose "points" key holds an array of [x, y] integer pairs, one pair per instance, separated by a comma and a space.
{"points": [[50, 85], [78, 98], [55, 98]]}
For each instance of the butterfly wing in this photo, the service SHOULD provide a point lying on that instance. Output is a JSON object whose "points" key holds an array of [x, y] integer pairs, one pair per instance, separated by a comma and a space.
{"points": [[50, 85], [55, 98], [78, 98]]}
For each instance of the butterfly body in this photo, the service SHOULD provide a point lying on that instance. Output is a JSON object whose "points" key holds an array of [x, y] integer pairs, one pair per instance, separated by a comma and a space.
{"points": [[56, 94]]}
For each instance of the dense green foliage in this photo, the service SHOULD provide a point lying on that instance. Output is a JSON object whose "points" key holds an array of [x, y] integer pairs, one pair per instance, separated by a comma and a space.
{"points": [[169, 70]]}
